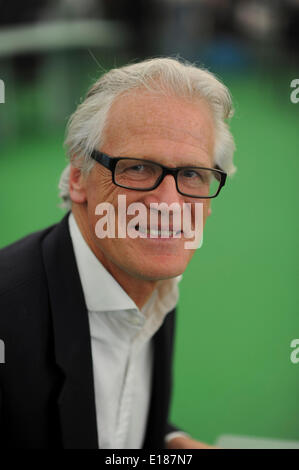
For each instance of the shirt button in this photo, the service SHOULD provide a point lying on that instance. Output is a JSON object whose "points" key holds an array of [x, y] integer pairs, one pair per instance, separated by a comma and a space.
{"points": [[135, 321]]}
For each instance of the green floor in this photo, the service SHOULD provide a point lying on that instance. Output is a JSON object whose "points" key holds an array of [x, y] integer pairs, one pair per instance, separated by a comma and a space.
{"points": [[238, 310]]}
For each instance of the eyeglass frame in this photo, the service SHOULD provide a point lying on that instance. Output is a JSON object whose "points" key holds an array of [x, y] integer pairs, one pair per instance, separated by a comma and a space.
{"points": [[110, 163]]}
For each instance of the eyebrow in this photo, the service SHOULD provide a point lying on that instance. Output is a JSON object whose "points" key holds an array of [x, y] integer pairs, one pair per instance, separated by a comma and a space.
{"points": [[193, 165]]}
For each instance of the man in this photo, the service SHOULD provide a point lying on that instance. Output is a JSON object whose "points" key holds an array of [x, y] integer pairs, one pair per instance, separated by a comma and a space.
{"points": [[87, 316]]}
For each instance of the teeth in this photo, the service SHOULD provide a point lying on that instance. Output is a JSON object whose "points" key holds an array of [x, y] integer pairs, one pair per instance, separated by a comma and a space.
{"points": [[158, 233]]}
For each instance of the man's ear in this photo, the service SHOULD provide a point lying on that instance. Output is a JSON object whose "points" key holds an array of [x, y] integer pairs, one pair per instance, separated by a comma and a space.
{"points": [[76, 185]]}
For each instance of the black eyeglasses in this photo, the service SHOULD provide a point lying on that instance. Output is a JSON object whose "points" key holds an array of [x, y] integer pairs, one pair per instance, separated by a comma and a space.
{"points": [[146, 175]]}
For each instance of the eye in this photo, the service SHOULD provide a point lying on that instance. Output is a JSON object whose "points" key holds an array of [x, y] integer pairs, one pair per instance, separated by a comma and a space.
{"points": [[137, 168], [192, 174], [143, 169], [195, 176], [189, 173]]}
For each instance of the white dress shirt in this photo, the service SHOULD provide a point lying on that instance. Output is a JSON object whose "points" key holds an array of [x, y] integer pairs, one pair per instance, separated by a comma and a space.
{"points": [[121, 345]]}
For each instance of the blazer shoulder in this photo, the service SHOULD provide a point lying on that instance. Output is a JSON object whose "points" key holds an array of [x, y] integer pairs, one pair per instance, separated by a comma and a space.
{"points": [[21, 261]]}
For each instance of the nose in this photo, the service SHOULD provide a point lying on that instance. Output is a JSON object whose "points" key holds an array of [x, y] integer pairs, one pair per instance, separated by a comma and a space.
{"points": [[165, 192]]}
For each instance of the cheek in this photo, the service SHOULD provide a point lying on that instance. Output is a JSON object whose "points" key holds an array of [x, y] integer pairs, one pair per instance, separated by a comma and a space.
{"points": [[100, 190], [205, 211]]}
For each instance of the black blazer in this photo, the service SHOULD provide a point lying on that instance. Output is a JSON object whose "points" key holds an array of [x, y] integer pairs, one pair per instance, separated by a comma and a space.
{"points": [[46, 384]]}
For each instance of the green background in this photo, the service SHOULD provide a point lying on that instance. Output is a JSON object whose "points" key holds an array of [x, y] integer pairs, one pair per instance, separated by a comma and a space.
{"points": [[238, 308]]}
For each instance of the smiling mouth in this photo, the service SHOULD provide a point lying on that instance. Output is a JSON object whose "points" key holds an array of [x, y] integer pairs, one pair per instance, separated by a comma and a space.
{"points": [[157, 232]]}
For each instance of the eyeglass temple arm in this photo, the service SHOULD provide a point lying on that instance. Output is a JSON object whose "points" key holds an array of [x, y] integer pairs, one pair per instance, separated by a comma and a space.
{"points": [[102, 158], [217, 167]]}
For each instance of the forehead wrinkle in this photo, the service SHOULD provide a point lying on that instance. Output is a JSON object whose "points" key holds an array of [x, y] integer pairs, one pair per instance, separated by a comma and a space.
{"points": [[148, 110], [164, 131], [132, 124], [196, 141]]}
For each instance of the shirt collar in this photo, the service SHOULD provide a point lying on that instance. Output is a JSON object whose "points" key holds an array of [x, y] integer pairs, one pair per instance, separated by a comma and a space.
{"points": [[103, 293]]}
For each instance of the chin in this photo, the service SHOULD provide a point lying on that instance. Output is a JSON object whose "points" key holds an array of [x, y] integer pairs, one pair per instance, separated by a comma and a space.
{"points": [[157, 271]]}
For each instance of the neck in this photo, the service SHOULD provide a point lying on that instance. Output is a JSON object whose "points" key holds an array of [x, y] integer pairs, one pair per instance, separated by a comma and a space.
{"points": [[138, 290]]}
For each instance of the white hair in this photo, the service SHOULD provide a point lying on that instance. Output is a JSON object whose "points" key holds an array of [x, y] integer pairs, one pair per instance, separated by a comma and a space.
{"points": [[85, 129]]}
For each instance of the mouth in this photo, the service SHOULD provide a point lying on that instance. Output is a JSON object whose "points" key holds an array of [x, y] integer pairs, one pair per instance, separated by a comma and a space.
{"points": [[157, 232]]}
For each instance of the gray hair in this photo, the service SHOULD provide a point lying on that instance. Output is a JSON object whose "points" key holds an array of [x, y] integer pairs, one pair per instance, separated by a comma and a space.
{"points": [[85, 129]]}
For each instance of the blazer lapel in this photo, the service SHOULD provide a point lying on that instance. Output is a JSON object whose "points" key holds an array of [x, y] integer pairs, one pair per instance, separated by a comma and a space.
{"points": [[161, 385], [71, 340]]}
